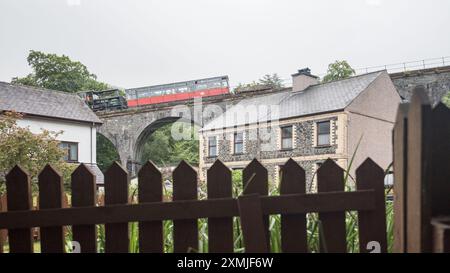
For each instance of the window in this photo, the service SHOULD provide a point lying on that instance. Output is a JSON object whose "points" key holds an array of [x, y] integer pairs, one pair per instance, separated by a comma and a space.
{"points": [[323, 133], [71, 149], [286, 138], [212, 146], [238, 143]]}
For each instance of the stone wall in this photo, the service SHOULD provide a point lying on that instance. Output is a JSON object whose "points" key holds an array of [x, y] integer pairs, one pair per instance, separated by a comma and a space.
{"points": [[271, 155], [435, 80]]}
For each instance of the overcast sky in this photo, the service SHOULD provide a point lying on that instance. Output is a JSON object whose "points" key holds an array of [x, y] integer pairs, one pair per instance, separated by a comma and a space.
{"points": [[137, 43]]}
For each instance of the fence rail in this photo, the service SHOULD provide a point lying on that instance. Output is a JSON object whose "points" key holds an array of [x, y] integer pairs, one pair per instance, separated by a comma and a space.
{"points": [[253, 208]]}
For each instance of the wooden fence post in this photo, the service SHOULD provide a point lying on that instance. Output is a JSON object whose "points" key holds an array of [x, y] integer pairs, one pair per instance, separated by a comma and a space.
{"points": [[252, 223], [255, 180], [330, 177], [293, 227], [439, 172], [372, 224], [84, 195], [19, 198], [50, 197], [185, 232], [3, 232], [418, 214], [116, 192], [220, 230], [150, 189], [400, 156]]}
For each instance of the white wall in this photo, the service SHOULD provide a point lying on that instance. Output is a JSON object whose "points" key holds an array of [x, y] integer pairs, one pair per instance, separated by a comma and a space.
{"points": [[82, 133]]}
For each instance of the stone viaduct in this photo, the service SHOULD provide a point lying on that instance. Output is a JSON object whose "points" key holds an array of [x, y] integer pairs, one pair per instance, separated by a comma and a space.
{"points": [[129, 129]]}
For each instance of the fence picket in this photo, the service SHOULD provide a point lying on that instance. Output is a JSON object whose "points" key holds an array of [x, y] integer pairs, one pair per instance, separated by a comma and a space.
{"points": [[185, 232], [252, 223], [116, 192], [330, 177], [255, 180], [50, 197], [19, 198], [150, 189], [220, 230], [84, 195], [400, 140], [372, 224], [439, 158], [293, 227], [3, 232]]}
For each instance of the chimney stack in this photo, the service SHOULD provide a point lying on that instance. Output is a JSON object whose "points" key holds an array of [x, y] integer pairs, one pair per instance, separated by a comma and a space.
{"points": [[303, 79]]}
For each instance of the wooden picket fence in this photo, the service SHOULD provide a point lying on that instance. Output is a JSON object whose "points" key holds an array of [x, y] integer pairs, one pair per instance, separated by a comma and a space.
{"points": [[253, 207], [422, 176]]}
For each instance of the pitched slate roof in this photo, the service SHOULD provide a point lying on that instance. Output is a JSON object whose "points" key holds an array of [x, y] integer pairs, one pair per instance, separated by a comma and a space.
{"points": [[44, 102], [315, 99]]}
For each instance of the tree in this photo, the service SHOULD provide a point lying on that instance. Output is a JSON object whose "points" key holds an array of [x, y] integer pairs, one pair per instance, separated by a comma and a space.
{"points": [[337, 71], [106, 153], [59, 73], [273, 81], [267, 81], [158, 146], [164, 150], [31, 151]]}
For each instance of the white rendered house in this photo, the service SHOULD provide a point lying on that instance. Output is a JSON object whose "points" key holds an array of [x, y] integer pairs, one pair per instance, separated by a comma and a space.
{"points": [[56, 111]]}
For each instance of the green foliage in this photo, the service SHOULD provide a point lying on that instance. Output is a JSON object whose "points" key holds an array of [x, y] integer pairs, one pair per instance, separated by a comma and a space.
{"points": [[273, 81], [268, 81], [337, 71], [31, 151], [58, 73], [106, 153], [446, 99], [163, 149]]}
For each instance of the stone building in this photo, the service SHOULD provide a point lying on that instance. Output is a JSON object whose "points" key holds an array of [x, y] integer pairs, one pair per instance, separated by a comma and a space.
{"points": [[309, 122]]}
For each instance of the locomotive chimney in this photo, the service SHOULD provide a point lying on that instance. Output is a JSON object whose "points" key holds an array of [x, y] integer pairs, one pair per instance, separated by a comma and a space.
{"points": [[303, 79]]}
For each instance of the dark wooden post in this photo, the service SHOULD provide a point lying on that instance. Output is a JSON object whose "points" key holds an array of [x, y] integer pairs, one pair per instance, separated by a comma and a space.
{"points": [[150, 190], [19, 198], [255, 180], [372, 224], [330, 177], [293, 227], [116, 192], [3, 232], [51, 197], [439, 172], [400, 155], [220, 230], [185, 232], [84, 195]]}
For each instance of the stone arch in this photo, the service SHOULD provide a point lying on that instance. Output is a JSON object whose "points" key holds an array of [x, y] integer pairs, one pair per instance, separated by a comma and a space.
{"points": [[147, 131]]}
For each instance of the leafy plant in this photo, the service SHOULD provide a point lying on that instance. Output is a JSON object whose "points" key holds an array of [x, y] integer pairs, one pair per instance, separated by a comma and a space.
{"points": [[337, 71], [31, 151]]}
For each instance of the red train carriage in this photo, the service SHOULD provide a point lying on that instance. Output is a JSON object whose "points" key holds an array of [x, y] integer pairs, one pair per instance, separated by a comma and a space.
{"points": [[177, 91]]}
